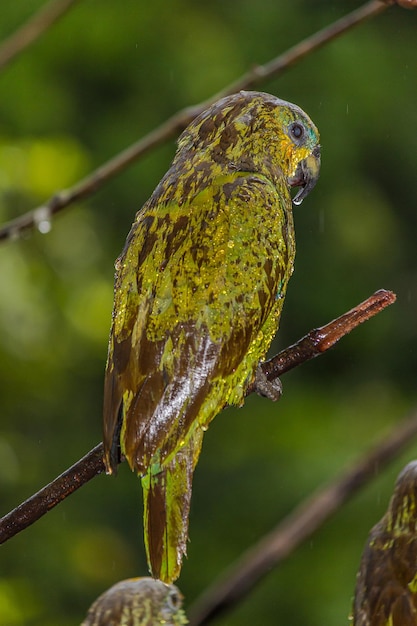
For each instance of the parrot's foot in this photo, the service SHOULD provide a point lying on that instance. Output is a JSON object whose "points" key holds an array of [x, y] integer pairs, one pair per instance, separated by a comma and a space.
{"points": [[271, 389]]}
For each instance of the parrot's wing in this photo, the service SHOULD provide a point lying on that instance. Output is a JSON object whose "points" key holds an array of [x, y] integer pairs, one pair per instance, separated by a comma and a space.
{"points": [[394, 607], [196, 289], [193, 290]]}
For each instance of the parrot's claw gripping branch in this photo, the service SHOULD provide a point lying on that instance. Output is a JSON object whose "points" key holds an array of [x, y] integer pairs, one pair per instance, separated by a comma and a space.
{"points": [[271, 389]]}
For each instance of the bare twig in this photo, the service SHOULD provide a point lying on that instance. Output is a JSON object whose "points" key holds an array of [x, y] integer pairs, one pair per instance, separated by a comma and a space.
{"points": [[91, 464], [34, 28], [175, 124], [405, 4], [277, 66], [48, 497], [310, 515], [321, 339]]}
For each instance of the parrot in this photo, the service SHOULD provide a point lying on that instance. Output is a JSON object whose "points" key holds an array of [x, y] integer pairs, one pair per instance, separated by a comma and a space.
{"points": [[137, 602], [198, 293], [386, 586]]}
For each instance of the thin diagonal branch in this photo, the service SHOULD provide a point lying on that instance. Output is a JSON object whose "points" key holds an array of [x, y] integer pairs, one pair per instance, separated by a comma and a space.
{"points": [[92, 464], [49, 496], [175, 124], [277, 66], [297, 527], [321, 339], [33, 29]]}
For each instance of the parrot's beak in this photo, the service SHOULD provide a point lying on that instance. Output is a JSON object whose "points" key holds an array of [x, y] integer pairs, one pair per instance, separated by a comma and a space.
{"points": [[306, 175]]}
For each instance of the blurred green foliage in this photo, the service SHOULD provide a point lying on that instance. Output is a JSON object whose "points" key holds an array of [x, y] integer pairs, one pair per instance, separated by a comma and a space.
{"points": [[100, 79]]}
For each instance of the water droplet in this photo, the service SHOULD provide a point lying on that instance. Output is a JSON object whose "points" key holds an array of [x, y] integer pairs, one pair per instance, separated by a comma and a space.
{"points": [[297, 201], [204, 427], [42, 219], [230, 243]]}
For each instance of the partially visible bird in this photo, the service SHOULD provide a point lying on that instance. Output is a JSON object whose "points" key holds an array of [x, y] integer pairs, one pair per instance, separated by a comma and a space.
{"points": [[199, 289], [386, 587], [137, 602]]}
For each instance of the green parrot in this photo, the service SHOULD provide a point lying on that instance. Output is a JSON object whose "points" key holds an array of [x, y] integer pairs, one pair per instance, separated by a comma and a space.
{"points": [[199, 289], [386, 586], [137, 602]]}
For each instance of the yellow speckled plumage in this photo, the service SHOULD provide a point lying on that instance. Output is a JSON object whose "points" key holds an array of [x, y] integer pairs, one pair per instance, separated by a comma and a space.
{"points": [[199, 290], [137, 602], [386, 588]]}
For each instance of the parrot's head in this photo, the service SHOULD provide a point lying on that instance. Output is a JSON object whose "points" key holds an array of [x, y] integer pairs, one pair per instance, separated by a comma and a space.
{"points": [[402, 511], [139, 602], [252, 131]]}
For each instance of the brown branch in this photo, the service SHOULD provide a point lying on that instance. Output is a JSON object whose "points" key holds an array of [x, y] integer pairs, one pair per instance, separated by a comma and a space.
{"points": [[277, 66], [34, 28], [175, 124], [297, 527], [321, 339], [48, 497], [405, 4], [316, 342]]}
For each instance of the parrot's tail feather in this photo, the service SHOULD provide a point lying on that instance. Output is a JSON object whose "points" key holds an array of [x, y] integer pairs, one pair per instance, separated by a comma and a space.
{"points": [[166, 496]]}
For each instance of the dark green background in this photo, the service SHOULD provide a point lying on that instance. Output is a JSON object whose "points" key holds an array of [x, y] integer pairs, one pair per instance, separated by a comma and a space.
{"points": [[102, 78]]}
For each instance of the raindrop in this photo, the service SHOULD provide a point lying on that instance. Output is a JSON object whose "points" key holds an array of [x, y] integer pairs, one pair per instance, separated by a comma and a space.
{"points": [[42, 219], [297, 201]]}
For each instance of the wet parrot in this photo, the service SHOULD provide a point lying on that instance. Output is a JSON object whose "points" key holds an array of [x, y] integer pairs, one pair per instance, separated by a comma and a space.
{"points": [[386, 587], [199, 289], [137, 602]]}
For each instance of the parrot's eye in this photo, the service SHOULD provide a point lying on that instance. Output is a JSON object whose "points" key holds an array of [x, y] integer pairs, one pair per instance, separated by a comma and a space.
{"points": [[297, 130], [174, 600]]}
